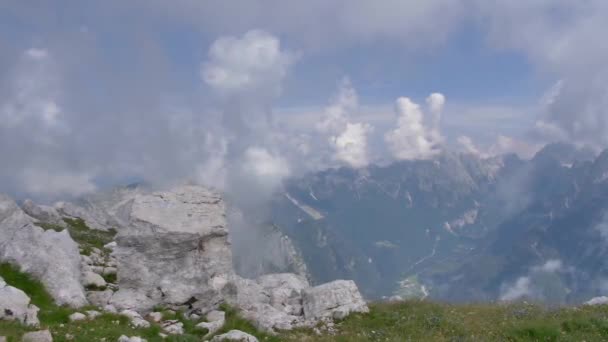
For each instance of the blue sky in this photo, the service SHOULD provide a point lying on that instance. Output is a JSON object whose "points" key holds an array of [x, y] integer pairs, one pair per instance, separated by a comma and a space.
{"points": [[98, 92]]}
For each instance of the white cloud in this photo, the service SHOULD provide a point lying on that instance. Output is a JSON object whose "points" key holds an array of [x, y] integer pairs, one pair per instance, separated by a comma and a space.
{"points": [[520, 289], [252, 63], [35, 53], [351, 145], [468, 145], [413, 139], [550, 266], [338, 112], [34, 93], [264, 165], [46, 182]]}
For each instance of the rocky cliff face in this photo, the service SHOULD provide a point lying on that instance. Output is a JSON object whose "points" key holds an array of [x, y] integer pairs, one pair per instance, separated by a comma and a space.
{"points": [[50, 256], [172, 250]]}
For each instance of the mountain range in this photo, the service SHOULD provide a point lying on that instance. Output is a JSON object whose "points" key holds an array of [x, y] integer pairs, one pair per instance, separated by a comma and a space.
{"points": [[457, 227]]}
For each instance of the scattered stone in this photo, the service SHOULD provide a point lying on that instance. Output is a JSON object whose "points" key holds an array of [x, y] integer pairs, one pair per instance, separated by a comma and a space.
{"points": [[37, 336], [173, 327], [110, 245], [109, 271], [77, 316], [110, 309], [215, 321], [235, 335], [155, 316], [93, 279], [92, 314], [124, 338], [15, 305], [69, 337], [136, 320], [2, 339]]}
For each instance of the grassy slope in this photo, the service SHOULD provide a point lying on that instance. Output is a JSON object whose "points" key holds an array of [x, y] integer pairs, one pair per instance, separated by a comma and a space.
{"points": [[426, 321], [409, 321]]}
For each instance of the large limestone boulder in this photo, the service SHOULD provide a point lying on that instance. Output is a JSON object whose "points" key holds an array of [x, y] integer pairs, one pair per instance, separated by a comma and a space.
{"points": [[336, 299], [50, 256], [43, 213], [174, 251], [15, 305]]}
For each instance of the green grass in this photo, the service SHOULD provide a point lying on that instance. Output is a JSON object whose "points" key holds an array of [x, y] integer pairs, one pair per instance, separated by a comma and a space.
{"points": [[86, 237], [56, 318], [427, 321], [407, 321]]}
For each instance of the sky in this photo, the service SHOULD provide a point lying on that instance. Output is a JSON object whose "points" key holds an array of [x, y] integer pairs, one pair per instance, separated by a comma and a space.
{"points": [[244, 94]]}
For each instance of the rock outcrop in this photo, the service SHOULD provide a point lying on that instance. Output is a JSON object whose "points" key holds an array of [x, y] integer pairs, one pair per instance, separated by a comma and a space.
{"points": [[174, 250], [15, 305], [50, 256], [43, 213], [335, 300], [286, 301]]}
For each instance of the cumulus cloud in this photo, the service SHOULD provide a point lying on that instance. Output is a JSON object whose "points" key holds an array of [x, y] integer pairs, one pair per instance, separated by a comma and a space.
{"points": [[413, 138], [254, 63], [351, 145], [337, 114], [34, 93], [561, 41], [265, 165], [56, 182], [543, 282]]}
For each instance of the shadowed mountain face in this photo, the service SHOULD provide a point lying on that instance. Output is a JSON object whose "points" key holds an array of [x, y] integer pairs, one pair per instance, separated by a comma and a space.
{"points": [[456, 227]]}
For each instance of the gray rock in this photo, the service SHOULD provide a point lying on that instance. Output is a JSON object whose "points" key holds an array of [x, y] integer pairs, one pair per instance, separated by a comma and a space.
{"points": [[254, 301], [77, 316], [155, 316], [215, 321], [43, 213], [93, 279], [50, 256], [93, 216], [173, 327], [285, 290], [37, 336], [136, 320], [92, 314], [175, 250], [124, 338], [336, 299], [99, 298], [15, 305], [2, 339], [235, 335]]}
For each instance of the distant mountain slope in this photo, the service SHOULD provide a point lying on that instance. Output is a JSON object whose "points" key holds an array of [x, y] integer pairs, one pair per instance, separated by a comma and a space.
{"points": [[396, 228]]}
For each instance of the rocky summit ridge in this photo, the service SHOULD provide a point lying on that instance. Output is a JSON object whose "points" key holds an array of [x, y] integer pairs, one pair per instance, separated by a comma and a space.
{"points": [[137, 250]]}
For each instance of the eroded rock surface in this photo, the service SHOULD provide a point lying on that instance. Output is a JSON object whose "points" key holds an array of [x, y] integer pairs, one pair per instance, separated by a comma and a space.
{"points": [[15, 305], [50, 256], [174, 250], [336, 299]]}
